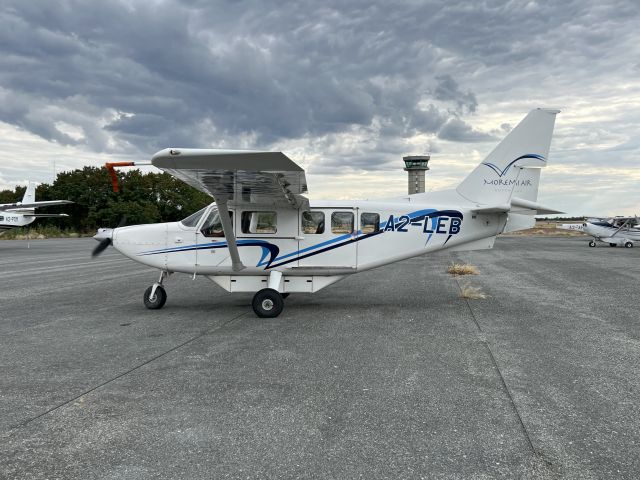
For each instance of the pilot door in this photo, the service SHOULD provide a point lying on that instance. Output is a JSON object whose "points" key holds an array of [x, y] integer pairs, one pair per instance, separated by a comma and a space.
{"points": [[212, 250], [327, 238]]}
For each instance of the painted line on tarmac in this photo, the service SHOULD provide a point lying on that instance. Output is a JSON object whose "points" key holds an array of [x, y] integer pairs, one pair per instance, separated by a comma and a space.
{"points": [[64, 267], [483, 339], [127, 372]]}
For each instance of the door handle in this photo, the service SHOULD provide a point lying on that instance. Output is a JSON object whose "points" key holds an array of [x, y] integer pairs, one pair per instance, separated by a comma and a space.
{"points": [[178, 240]]}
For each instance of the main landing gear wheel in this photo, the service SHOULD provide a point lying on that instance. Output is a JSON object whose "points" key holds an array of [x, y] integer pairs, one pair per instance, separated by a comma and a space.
{"points": [[613, 244], [267, 303], [592, 243], [158, 300], [628, 244]]}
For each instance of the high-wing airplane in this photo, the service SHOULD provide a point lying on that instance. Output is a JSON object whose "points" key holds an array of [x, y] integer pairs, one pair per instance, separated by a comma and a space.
{"points": [[21, 214], [616, 231], [262, 235]]}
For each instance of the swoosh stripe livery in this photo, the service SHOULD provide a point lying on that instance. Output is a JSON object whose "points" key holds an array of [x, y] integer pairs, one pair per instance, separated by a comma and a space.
{"points": [[502, 173], [273, 250]]}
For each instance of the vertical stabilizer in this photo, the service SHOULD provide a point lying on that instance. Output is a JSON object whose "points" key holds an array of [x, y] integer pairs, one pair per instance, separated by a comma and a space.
{"points": [[512, 169], [30, 193]]}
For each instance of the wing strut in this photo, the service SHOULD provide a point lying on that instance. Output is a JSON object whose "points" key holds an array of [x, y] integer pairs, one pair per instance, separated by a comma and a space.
{"points": [[624, 224], [227, 227]]}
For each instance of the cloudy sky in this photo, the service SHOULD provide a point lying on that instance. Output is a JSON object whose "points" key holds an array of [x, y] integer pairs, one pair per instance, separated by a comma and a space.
{"points": [[344, 88]]}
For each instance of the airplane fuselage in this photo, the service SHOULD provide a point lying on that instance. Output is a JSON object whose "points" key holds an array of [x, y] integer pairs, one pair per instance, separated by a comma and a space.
{"points": [[329, 240], [606, 232], [12, 219]]}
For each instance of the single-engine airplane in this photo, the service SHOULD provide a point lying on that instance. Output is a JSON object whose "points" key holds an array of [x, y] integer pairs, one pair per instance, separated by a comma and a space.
{"points": [[262, 235], [616, 231], [21, 214]]}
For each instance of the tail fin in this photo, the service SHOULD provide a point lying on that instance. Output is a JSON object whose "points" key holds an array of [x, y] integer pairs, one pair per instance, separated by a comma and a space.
{"points": [[512, 169], [30, 193]]}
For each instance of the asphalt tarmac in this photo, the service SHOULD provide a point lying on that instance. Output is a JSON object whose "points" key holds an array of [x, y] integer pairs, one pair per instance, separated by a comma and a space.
{"points": [[387, 374]]}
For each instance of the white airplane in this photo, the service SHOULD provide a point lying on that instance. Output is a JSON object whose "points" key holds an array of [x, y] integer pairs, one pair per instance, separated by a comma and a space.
{"points": [[616, 231], [21, 214], [262, 235]]}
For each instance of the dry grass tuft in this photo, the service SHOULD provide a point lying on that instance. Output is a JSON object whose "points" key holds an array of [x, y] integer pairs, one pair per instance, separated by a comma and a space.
{"points": [[462, 269], [469, 291]]}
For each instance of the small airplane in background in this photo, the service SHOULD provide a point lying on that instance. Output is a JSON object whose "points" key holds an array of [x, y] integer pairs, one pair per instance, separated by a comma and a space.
{"points": [[262, 235], [616, 231], [21, 214]]}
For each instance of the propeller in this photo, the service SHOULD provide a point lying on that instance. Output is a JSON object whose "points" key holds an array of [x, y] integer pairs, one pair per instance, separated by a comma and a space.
{"points": [[105, 237]]}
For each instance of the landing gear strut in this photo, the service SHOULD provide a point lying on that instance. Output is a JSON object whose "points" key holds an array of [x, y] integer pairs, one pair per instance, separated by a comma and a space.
{"points": [[155, 296]]}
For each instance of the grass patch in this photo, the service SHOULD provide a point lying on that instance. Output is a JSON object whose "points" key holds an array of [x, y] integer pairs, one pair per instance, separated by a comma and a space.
{"points": [[469, 291], [38, 233], [462, 269]]}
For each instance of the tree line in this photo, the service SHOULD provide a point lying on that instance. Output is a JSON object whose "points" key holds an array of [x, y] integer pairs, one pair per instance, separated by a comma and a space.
{"points": [[143, 198]]}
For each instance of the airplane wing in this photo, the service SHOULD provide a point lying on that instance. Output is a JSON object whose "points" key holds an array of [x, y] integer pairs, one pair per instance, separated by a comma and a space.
{"points": [[45, 215], [19, 205], [238, 177]]}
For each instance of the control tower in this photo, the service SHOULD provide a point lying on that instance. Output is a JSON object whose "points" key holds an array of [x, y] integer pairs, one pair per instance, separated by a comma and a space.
{"points": [[416, 165]]}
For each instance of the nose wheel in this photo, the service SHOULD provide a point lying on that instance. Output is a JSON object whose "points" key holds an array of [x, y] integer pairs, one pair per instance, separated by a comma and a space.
{"points": [[155, 300], [592, 243], [156, 296]]}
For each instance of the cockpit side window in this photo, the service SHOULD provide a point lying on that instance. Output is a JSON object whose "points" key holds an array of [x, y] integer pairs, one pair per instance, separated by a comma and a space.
{"points": [[212, 226]]}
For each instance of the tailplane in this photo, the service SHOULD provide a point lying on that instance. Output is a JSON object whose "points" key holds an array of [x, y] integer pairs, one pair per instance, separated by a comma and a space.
{"points": [[512, 169]]}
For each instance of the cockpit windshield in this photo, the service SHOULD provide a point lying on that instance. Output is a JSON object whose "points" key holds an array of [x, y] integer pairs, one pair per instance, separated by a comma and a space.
{"points": [[193, 219]]}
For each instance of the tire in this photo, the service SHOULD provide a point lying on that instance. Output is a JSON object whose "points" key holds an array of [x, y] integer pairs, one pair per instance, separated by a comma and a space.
{"points": [[613, 244], [628, 244], [592, 243], [158, 300], [267, 303]]}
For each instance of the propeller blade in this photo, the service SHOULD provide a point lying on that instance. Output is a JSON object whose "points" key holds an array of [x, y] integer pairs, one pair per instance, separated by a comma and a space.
{"points": [[105, 237], [102, 246]]}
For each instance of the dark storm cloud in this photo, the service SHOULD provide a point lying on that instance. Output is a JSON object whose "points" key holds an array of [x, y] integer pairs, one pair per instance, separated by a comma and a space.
{"points": [[145, 75], [447, 89], [455, 130]]}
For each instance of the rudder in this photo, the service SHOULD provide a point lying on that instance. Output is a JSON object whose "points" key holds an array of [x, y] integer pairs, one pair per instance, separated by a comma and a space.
{"points": [[512, 169]]}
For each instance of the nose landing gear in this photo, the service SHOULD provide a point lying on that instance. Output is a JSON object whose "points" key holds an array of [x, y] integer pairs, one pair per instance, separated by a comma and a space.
{"points": [[156, 296]]}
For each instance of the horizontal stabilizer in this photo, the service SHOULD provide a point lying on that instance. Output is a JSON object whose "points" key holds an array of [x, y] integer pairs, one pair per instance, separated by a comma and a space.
{"points": [[517, 205]]}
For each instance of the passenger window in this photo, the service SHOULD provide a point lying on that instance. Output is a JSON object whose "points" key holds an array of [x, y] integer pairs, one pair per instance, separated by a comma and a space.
{"points": [[369, 222], [312, 222], [259, 222], [342, 222], [212, 226], [1, 219]]}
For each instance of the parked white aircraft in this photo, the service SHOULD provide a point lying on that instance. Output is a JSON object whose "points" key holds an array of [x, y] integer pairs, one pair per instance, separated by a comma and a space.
{"points": [[21, 214], [263, 236], [616, 231]]}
